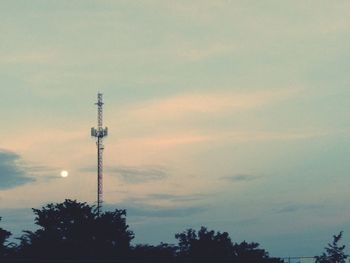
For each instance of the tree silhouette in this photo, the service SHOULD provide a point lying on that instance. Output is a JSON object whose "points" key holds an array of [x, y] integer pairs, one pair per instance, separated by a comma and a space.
{"points": [[250, 252], [161, 253], [214, 246], [4, 235], [204, 244], [334, 252], [74, 230], [112, 234]]}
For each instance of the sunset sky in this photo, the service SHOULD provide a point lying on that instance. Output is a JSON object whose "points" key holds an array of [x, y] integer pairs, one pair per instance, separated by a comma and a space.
{"points": [[229, 114]]}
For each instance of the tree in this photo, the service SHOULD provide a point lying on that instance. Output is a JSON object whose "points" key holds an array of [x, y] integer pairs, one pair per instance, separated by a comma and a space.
{"points": [[334, 252], [4, 235], [74, 230], [214, 246], [204, 245], [160, 253], [250, 252], [112, 234]]}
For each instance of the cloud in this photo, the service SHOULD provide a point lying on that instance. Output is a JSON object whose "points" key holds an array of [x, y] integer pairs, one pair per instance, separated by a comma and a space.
{"points": [[12, 171], [165, 212], [166, 140], [168, 199], [207, 103], [196, 54], [144, 210], [185, 119], [140, 174], [43, 173], [292, 208], [240, 178], [134, 174], [176, 198], [275, 136], [31, 57], [169, 140]]}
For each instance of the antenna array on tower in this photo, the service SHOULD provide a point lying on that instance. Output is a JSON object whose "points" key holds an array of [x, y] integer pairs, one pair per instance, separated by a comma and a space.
{"points": [[99, 133]]}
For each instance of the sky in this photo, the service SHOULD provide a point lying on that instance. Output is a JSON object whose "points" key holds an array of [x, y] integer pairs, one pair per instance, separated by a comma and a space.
{"points": [[228, 114]]}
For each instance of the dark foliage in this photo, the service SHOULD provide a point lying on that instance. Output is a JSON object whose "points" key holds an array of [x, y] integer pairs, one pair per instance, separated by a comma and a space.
{"points": [[204, 244], [4, 235], [334, 253], [250, 252], [75, 231], [214, 246], [161, 253]]}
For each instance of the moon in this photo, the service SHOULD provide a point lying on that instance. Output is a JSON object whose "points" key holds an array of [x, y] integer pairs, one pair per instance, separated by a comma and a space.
{"points": [[64, 173]]}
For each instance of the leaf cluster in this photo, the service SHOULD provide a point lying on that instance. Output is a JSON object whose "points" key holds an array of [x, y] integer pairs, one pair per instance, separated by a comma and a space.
{"points": [[334, 253]]}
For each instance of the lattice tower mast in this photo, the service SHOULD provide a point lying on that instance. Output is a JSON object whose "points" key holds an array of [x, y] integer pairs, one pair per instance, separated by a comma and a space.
{"points": [[99, 133]]}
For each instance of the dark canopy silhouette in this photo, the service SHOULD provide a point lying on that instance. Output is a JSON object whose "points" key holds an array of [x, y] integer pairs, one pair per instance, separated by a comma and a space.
{"points": [[149, 253], [204, 245], [4, 235], [250, 252], [76, 231], [72, 230]]}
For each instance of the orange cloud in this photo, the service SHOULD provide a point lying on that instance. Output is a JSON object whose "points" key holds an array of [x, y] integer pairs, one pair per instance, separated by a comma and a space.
{"points": [[30, 57], [218, 102]]}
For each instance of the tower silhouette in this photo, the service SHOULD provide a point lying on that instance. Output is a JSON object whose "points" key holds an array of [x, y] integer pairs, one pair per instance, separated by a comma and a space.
{"points": [[99, 133]]}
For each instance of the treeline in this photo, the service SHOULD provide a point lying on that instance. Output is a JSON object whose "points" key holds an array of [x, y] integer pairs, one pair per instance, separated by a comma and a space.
{"points": [[75, 231]]}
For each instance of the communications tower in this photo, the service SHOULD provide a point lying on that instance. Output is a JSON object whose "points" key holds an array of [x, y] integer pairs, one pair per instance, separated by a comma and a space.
{"points": [[99, 133]]}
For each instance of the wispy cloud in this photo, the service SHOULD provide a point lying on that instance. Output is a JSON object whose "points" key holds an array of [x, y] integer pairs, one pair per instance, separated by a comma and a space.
{"points": [[292, 208], [12, 172], [186, 119], [273, 136], [171, 140], [206, 103], [144, 210], [139, 174], [240, 178], [34, 57], [42, 173], [168, 199], [134, 174], [166, 140], [177, 198], [201, 53]]}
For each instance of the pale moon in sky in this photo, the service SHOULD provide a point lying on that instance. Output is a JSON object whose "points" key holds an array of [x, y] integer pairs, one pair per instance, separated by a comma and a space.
{"points": [[64, 173]]}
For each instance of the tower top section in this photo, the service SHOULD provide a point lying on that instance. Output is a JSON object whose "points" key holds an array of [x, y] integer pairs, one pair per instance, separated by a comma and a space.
{"points": [[99, 132], [99, 99]]}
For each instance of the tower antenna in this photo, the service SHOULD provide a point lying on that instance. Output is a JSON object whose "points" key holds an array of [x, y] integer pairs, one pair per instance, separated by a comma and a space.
{"points": [[99, 133]]}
